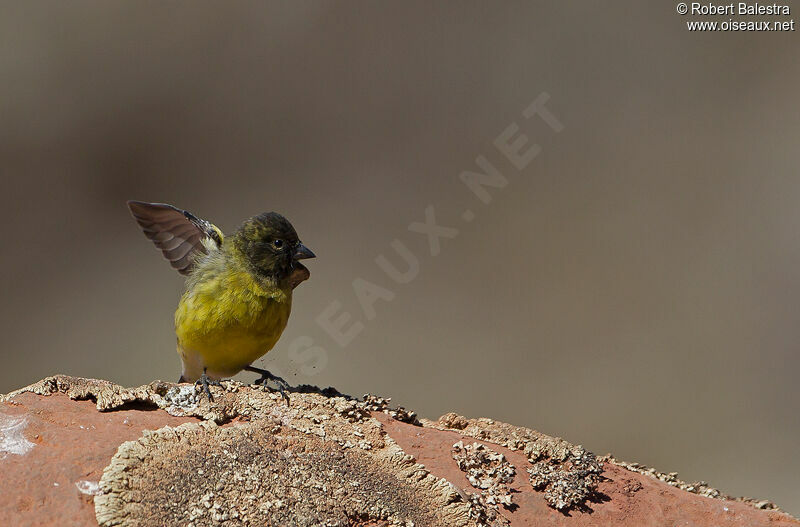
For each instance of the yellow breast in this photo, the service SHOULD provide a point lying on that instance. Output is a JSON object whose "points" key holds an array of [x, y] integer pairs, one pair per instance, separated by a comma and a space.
{"points": [[227, 320]]}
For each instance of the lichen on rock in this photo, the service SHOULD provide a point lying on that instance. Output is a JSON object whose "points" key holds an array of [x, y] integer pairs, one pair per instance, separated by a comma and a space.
{"points": [[248, 458], [567, 474], [249, 474], [486, 470]]}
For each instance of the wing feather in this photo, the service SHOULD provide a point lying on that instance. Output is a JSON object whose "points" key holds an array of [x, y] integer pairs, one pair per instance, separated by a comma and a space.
{"points": [[178, 233]]}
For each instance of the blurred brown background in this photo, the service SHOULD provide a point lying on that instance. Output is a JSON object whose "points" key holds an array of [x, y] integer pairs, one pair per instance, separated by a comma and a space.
{"points": [[635, 288]]}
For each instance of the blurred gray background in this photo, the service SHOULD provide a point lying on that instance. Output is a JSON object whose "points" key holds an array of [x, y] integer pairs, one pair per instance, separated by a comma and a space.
{"points": [[634, 289]]}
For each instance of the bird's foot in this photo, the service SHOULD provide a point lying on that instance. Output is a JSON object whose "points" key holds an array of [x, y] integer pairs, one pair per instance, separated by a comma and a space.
{"points": [[266, 376], [205, 381]]}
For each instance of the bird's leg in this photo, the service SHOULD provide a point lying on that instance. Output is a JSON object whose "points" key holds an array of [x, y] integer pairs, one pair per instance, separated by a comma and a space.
{"points": [[205, 382], [266, 377]]}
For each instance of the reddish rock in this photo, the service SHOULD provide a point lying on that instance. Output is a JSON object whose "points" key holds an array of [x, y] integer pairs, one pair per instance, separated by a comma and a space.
{"points": [[73, 443], [52, 446], [623, 497]]}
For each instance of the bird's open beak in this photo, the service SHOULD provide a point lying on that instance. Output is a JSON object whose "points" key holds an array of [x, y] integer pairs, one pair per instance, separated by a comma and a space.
{"points": [[302, 252]]}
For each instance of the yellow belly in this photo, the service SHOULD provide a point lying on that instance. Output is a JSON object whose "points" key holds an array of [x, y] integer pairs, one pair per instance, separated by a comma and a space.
{"points": [[223, 325]]}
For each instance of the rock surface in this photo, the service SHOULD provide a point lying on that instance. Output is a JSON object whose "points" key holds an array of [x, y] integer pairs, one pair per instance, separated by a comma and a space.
{"points": [[86, 452]]}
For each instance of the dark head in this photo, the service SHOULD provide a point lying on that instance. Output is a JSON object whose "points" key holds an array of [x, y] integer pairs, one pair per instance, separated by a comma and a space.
{"points": [[270, 246]]}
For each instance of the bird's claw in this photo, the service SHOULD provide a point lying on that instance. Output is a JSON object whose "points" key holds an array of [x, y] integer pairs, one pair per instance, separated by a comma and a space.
{"points": [[266, 376], [205, 381]]}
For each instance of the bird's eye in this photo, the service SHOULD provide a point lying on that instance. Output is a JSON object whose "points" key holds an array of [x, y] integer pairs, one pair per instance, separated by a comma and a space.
{"points": [[278, 244]]}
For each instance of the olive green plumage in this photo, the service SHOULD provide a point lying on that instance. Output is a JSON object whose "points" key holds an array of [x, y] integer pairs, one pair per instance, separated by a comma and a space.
{"points": [[239, 288]]}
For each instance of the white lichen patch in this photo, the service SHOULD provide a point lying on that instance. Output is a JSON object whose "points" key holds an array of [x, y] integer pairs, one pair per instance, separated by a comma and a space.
{"points": [[12, 440], [92, 488], [246, 474], [180, 400], [487, 470], [567, 474]]}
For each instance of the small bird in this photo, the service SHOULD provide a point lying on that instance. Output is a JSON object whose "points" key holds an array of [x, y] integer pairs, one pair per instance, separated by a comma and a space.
{"points": [[238, 289]]}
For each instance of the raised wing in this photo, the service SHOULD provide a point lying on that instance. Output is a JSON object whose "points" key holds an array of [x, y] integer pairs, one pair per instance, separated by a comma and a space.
{"points": [[179, 234]]}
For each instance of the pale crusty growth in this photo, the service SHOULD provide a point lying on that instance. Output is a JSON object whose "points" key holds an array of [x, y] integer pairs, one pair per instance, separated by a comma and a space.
{"points": [[566, 473], [176, 399], [484, 513], [569, 484], [265, 474], [698, 487], [486, 470], [383, 404], [491, 473]]}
